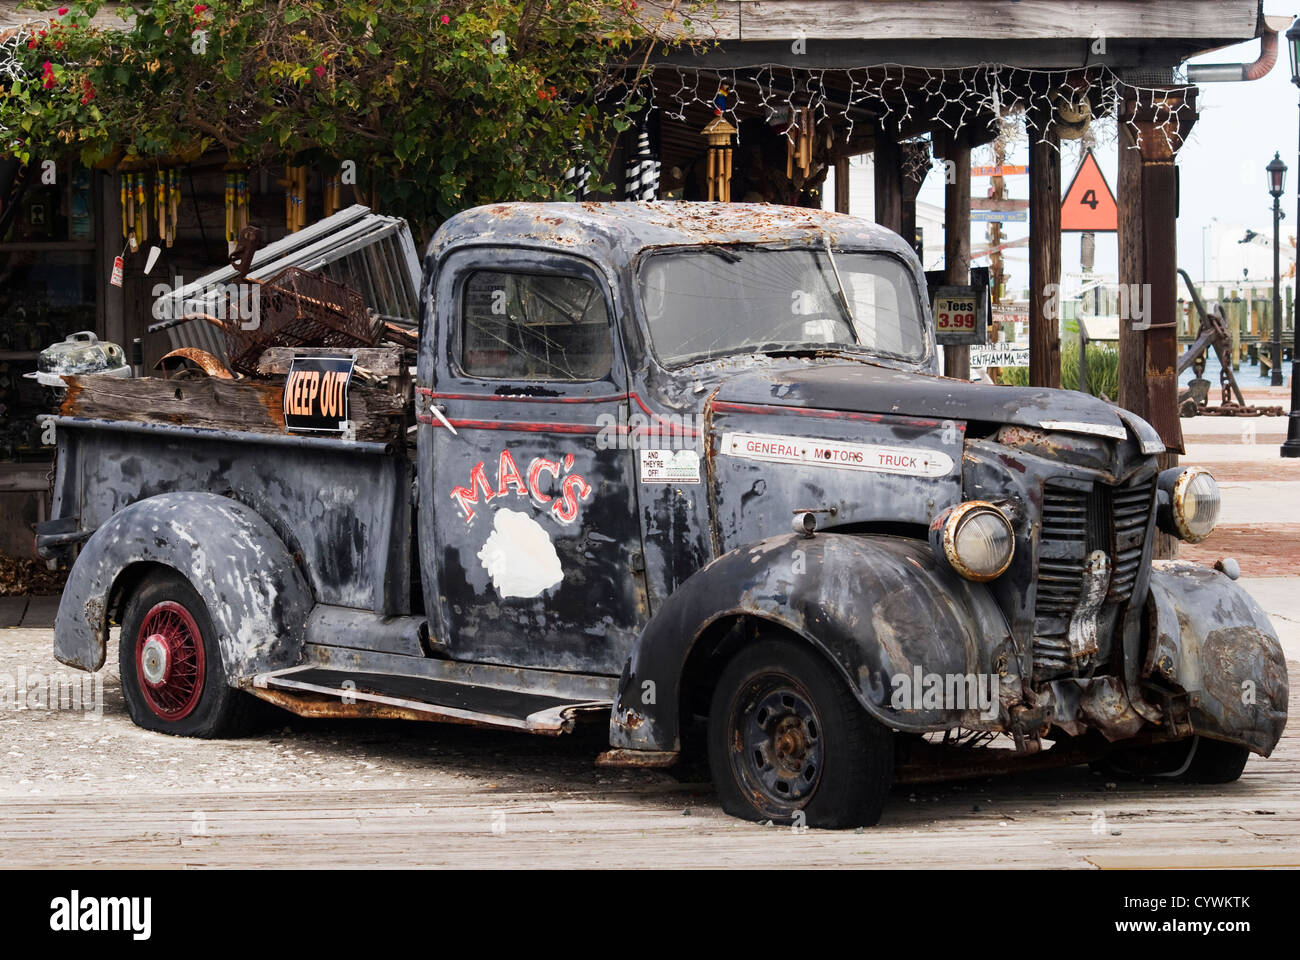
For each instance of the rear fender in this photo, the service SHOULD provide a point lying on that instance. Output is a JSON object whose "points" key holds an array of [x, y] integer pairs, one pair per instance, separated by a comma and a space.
{"points": [[255, 594], [1210, 640], [878, 607]]}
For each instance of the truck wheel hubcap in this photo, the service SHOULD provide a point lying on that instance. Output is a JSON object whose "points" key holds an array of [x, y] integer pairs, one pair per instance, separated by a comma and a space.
{"points": [[169, 661], [780, 740]]}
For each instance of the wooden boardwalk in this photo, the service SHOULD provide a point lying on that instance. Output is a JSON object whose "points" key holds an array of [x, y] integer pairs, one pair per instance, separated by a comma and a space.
{"points": [[88, 792]]}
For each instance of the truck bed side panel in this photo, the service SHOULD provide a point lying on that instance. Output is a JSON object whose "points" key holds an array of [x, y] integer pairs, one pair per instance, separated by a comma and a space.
{"points": [[346, 513]]}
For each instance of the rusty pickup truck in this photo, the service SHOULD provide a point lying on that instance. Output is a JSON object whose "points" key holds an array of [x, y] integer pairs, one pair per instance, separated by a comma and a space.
{"points": [[688, 469]]}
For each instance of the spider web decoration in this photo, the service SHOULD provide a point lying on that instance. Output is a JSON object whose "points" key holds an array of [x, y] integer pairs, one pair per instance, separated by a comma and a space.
{"points": [[899, 95]]}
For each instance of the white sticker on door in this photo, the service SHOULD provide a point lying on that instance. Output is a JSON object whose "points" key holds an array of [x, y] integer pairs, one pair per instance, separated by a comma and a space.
{"points": [[670, 466], [877, 458]]}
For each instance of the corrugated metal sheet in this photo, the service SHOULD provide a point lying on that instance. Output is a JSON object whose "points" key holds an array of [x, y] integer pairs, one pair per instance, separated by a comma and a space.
{"points": [[372, 253]]}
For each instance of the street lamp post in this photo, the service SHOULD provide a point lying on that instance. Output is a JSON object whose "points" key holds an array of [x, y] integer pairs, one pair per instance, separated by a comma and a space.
{"points": [[1276, 170], [1292, 446]]}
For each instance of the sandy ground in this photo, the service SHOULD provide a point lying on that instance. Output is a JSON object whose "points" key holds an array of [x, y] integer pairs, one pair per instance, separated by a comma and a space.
{"points": [[88, 788]]}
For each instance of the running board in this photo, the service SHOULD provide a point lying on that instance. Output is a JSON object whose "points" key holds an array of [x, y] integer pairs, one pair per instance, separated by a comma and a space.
{"points": [[315, 691]]}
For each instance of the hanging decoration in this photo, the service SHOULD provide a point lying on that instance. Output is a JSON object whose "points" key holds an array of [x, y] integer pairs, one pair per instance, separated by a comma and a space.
{"points": [[173, 203], [718, 135], [642, 181], [576, 178], [948, 98], [295, 198], [333, 192], [798, 148], [238, 204]]}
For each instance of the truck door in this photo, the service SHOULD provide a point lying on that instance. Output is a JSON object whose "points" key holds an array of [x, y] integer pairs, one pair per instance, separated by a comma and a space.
{"points": [[530, 543]]}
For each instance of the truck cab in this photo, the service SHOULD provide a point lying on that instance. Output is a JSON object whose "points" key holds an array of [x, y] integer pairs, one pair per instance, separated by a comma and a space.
{"points": [[690, 469]]}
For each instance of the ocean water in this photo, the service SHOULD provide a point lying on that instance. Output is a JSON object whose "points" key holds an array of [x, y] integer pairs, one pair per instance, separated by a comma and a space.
{"points": [[1247, 375]]}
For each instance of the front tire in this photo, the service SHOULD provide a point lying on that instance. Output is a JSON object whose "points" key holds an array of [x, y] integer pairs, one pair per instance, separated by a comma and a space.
{"points": [[1194, 760], [788, 742], [173, 678]]}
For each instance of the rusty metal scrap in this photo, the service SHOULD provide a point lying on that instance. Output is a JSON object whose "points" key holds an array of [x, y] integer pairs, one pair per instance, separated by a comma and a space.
{"points": [[298, 309]]}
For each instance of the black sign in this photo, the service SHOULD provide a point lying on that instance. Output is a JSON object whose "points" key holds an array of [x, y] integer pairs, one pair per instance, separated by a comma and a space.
{"points": [[316, 394]]}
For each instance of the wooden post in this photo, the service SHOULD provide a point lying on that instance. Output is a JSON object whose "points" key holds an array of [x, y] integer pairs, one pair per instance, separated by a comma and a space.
{"points": [[915, 165], [956, 237], [889, 180], [842, 185], [1154, 125], [1044, 251]]}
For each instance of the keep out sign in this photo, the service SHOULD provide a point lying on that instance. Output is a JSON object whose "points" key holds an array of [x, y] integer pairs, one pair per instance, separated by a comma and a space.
{"points": [[316, 394]]}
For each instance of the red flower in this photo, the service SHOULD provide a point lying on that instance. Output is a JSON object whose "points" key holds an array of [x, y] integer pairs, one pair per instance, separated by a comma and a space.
{"points": [[58, 44], [199, 8], [31, 44], [319, 71], [445, 19], [47, 67], [63, 11]]}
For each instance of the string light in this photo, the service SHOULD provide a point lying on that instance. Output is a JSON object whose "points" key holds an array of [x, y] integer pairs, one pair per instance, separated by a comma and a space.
{"points": [[902, 95]]}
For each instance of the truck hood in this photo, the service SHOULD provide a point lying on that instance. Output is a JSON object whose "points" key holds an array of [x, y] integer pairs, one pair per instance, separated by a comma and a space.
{"points": [[867, 388]]}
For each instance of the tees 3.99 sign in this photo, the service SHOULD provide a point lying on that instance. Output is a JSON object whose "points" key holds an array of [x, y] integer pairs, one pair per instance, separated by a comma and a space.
{"points": [[960, 315]]}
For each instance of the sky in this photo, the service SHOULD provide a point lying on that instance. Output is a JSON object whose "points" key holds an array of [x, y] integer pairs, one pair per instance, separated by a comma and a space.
{"points": [[1239, 128]]}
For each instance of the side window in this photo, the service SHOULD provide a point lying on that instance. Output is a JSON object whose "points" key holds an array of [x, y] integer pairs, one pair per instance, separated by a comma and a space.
{"points": [[526, 326]]}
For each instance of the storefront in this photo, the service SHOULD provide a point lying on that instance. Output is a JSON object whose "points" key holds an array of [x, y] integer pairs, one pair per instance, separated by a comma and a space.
{"points": [[49, 288]]}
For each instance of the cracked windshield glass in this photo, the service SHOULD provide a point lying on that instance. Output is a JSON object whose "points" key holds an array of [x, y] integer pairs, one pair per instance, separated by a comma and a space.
{"points": [[718, 301]]}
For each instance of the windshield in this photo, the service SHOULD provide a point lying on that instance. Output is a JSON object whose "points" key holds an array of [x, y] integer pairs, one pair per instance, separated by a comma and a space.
{"points": [[717, 301]]}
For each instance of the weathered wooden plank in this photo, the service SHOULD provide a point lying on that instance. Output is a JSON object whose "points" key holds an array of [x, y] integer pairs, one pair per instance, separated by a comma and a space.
{"points": [[24, 477], [12, 610], [209, 402], [761, 20], [40, 611]]}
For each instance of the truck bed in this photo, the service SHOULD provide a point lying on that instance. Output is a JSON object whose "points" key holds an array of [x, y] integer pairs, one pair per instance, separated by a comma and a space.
{"points": [[343, 507]]}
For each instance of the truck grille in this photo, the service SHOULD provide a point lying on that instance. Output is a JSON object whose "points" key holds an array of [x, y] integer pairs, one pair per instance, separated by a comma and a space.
{"points": [[1079, 518]]}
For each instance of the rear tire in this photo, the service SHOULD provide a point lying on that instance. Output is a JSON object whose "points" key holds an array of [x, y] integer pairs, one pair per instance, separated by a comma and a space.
{"points": [[173, 678], [1194, 760], [788, 742]]}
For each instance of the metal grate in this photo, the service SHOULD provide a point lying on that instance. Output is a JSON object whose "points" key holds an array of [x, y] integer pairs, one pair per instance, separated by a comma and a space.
{"points": [[1078, 519], [1062, 548], [297, 309], [1131, 508]]}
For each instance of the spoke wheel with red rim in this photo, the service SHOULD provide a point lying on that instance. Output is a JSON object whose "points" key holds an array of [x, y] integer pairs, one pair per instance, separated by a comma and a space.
{"points": [[169, 661]]}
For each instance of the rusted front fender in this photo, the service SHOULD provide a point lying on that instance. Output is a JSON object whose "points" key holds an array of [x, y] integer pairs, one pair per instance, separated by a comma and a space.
{"points": [[255, 594], [878, 607], [1211, 640]]}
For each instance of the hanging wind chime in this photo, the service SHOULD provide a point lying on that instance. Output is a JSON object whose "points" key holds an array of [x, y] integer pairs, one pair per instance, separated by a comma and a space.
{"points": [[237, 205], [295, 198], [717, 134], [333, 192], [798, 146]]}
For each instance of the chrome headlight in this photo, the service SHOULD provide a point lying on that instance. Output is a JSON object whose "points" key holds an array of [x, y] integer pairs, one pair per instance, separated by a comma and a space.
{"points": [[974, 539], [1189, 503]]}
